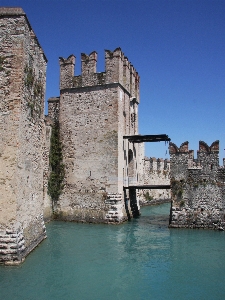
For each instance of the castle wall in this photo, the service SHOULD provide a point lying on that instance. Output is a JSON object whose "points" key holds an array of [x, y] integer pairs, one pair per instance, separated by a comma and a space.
{"points": [[197, 187], [53, 115], [155, 172], [95, 112], [22, 80], [47, 201]]}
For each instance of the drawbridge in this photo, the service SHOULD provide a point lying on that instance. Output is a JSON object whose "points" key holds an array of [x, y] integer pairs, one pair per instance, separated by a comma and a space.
{"points": [[143, 139], [132, 188], [147, 187]]}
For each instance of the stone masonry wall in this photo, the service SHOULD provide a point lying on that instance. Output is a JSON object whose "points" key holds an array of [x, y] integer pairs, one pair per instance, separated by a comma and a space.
{"points": [[22, 90], [197, 187], [88, 123], [47, 209], [53, 115], [95, 111], [155, 172]]}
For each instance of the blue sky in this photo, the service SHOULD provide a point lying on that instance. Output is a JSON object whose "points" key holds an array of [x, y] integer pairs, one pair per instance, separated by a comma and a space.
{"points": [[177, 47]]}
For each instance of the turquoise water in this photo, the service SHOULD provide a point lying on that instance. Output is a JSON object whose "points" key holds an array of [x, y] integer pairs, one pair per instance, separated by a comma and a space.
{"points": [[141, 259]]}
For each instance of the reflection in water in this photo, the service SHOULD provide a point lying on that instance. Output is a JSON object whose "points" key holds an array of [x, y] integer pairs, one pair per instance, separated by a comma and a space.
{"points": [[141, 259]]}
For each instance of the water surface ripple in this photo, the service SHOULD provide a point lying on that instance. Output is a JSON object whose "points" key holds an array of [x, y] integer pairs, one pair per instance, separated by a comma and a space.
{"points": [[141, 259]]}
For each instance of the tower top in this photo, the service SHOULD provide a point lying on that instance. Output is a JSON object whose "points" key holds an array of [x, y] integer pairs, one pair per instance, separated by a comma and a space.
{"points": [[9, 12], [117, 70], [12, 11]]}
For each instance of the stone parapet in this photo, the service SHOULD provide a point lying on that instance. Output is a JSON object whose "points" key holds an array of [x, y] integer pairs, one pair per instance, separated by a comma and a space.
{"points": [[118, 70], [156, 171], [197, 187]]}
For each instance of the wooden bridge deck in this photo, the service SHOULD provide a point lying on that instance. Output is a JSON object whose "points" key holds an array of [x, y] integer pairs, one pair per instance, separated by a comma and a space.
{"points": [[138, 138], [146, 187]]}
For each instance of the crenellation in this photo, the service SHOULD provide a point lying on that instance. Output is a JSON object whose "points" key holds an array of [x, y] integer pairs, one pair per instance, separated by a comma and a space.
{"points": [[137, 87], [88, 66], [197, 187], [208, 158], [132, 81], [114, 66], [117, 70], [67, 71], [126, 74], [156, 171]]}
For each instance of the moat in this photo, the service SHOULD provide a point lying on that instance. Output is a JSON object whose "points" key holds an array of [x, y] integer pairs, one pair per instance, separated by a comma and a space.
{"points": [[140, 259]]}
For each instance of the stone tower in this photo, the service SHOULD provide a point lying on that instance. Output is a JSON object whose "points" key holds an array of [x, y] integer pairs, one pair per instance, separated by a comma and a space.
{"points": [[22, 90], [96, 110]]}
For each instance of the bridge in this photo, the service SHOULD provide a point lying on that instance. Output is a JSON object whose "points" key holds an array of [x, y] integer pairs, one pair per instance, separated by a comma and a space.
{"points": [[147, 187], [131, 189], [138, 138], [142, 139]]}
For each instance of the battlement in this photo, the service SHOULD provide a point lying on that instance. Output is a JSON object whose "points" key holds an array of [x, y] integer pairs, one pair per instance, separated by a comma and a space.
{"points": [[207, 157], [117, 70], [66, 71], [182, 149], [203, 147], [156, 171], [197, 186], [156, 164]]}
